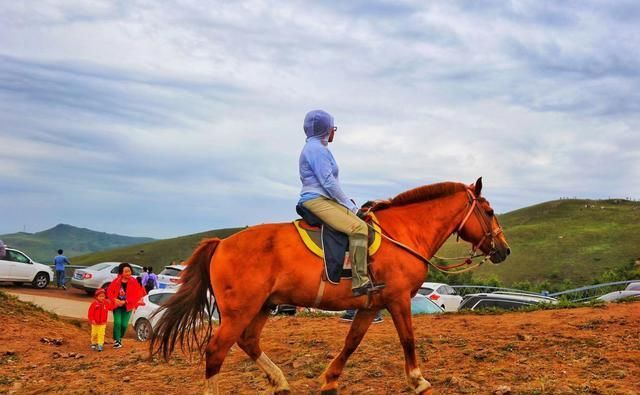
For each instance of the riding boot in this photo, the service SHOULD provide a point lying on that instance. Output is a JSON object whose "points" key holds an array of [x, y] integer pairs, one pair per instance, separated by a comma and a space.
{"points": [[359, 276]]}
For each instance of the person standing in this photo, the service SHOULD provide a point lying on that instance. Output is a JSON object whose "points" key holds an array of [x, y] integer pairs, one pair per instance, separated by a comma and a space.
{"points": [[59, 261], [142, 279], [98, 314], [126, 295], [151, 282]]}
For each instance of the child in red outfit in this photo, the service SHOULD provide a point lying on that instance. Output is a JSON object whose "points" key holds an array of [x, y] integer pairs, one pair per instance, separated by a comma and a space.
{"points": [[98, 313]]}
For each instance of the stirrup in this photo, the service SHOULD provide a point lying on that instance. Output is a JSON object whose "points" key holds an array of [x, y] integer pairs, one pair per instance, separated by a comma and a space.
{"points": [[367, 289]]}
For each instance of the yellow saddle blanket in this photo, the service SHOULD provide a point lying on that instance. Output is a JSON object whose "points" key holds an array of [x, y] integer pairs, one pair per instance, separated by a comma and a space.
{"points": [[311, 237]]}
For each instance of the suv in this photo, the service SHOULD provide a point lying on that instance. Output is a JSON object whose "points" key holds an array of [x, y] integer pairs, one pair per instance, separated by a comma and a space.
{"points": [[100, 275], [503, 300], [17, 267]]}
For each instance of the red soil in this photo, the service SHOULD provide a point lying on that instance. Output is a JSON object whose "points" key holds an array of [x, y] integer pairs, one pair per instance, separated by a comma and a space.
{"points": [[572, 351]]}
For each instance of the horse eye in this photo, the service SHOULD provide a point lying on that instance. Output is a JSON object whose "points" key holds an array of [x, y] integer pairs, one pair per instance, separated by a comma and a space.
{"points": [[490, 212]]}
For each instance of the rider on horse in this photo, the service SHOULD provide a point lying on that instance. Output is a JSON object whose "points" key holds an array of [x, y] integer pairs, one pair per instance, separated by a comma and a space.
{"points": [[323, 196]]}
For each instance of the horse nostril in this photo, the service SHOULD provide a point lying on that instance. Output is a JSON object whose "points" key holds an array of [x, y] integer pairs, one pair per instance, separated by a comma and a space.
{"points": [[508, 251]]}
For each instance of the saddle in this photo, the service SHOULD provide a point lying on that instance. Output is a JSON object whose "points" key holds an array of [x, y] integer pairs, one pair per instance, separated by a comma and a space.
{"points": [[330, 245]]}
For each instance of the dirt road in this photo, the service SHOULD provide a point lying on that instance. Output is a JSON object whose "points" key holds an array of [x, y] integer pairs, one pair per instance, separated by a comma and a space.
{"points": [[61, 306], [570, 351]]}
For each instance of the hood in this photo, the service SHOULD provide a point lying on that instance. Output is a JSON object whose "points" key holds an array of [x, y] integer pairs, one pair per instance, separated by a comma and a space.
{"points": [[317, 123]]}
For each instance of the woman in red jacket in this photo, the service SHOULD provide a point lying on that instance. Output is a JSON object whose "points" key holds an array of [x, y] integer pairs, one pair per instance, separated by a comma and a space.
{"points": [[125, 295]]}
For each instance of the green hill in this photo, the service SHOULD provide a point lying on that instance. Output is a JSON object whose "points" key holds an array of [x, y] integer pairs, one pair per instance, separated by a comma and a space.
{"points": [[564, 240], [157, 253], [43, 246]]}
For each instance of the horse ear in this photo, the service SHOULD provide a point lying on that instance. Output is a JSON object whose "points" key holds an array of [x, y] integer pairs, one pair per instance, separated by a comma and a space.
{"points": [[478, 186]]}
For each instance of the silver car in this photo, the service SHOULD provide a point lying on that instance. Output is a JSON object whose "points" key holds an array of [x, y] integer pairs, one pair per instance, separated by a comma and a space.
{"points": [[98, 276]]}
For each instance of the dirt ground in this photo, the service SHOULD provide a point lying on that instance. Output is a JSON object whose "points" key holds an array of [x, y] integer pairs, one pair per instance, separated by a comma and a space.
{"points": [[570, 351]]}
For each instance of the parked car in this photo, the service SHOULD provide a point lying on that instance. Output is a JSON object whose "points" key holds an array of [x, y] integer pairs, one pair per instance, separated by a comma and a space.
{"points": [[611, 296], [18, 268], [287, 309], [503, 300], [170, 276], [441, 294], [143, 318], [98, 276], [635, 286], [421, 304]]}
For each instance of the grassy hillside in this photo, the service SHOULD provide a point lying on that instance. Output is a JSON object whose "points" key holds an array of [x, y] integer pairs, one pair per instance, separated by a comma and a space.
{"points": [[557, 241], [571, 239], [43, 246], [157, 253]]}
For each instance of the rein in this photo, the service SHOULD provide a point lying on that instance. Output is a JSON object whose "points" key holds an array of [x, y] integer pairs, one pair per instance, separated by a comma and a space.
{"points": [[486, 227]]}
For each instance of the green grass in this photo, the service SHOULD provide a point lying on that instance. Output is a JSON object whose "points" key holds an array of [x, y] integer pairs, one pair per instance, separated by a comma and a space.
{"points": [[157, 253], [563, 240]]}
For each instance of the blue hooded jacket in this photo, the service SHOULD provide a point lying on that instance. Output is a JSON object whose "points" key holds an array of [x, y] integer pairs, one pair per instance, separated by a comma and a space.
{"points": [[319, 171]]}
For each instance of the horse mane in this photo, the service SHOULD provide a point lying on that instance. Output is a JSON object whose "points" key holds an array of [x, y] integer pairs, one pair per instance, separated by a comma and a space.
{"points": [[419, 194]]}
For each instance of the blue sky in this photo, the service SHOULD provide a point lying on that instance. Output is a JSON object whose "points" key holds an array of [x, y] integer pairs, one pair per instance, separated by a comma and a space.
{"points": [[168, 118]]}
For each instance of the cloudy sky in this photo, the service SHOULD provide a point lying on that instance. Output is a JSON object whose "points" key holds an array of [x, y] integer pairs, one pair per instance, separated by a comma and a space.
{"points": [[166, 118]]}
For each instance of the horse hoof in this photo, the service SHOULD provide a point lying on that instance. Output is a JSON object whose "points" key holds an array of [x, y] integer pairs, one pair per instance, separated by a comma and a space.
{"points": [[329, 392]]}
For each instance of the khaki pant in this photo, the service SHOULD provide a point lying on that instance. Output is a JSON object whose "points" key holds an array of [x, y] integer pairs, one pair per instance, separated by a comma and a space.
{"points": [[343, 220], [97, 334]]}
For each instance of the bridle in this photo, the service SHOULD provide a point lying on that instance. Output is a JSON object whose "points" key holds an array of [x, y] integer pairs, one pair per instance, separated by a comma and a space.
{"points": [[485, 222]]}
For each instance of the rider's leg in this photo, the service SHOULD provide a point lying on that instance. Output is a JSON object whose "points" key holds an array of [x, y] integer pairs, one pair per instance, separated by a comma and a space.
{"points": [[343, 220]]}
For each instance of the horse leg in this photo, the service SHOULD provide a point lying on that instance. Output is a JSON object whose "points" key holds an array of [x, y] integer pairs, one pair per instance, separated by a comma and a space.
{"points": [[250, 343], [401, 314], [231, 327], [359, 327]]}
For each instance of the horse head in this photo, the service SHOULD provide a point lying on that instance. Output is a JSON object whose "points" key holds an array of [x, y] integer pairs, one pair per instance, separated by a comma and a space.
{"points": [[480, 226]]}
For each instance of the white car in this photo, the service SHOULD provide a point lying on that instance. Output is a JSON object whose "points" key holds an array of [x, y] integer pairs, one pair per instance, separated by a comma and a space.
{"points": [[98, 276], [17, 267], [441, 294], [170, 276], [143, 319]]}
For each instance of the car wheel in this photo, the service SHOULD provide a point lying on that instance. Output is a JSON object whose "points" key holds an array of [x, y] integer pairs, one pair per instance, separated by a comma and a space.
{"points": [[443, 308], [275, 310], [90, 292], [143, 330], [41, 280]]}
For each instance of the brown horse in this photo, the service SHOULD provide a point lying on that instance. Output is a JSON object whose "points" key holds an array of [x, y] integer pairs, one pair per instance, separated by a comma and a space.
{"points": [[268, 264]]}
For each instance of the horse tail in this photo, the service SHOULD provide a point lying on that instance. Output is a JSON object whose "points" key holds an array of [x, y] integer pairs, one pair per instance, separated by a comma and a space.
{"points": [[190, 307]]}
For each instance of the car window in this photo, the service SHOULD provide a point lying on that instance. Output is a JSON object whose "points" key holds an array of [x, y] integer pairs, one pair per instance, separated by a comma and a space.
{"points": [[136, 270], [633, 287], [170, 271], [451, 290], [425, 291], [160, 298], [15, 256], [114, 270], [442, 290]]}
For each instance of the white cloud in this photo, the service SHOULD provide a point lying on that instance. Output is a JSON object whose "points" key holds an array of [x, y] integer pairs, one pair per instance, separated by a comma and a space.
{"points": [[185, 116]]}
